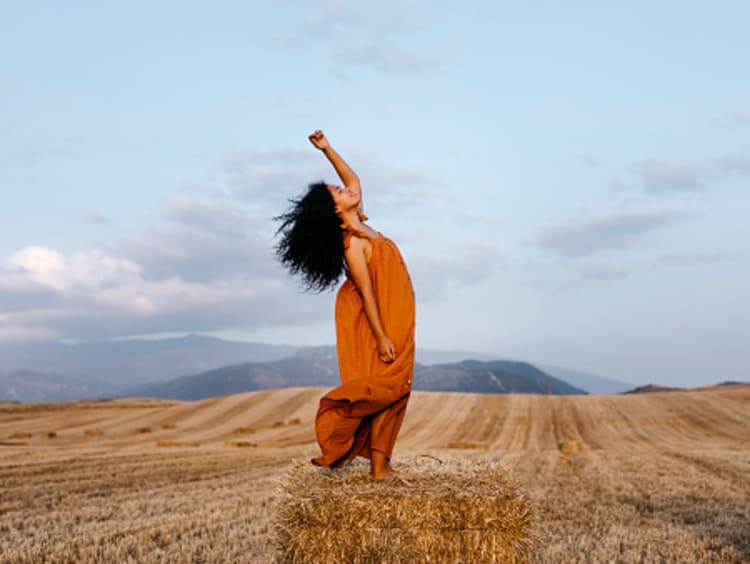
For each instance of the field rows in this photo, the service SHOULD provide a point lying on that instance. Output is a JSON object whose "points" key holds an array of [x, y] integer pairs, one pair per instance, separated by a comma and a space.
{"points": [[657, 477]]}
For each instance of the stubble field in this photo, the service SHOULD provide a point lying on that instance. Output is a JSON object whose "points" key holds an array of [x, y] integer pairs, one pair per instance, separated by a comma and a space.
{"points": [[661, 477]]}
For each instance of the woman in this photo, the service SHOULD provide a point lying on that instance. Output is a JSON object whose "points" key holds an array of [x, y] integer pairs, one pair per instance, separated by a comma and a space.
{"points": [[324, 236]]}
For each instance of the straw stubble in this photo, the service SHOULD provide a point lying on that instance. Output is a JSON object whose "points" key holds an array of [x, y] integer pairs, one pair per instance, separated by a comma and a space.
{"points": [[456, 510]]}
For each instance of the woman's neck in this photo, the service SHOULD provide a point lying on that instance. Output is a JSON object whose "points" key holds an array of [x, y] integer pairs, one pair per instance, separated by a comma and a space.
{"points": [[350, 218]]}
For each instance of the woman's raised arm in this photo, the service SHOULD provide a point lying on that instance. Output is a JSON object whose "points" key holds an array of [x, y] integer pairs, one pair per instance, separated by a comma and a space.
{"points": [[346, 174]]}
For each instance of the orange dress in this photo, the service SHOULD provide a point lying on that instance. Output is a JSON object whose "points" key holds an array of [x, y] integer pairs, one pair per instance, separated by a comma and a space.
{"points": [[369, 386]]}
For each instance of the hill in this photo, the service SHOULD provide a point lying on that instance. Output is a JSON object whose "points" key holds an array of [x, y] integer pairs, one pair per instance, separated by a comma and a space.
{"points": [[318, 366], [110, 368]]}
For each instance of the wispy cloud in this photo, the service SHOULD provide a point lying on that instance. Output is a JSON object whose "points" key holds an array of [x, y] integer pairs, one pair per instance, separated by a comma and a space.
{"points": [[742, 118], [589, 160], [378, 36], [97, 219], [610, 233], [662, 177], [464, 266], [694, 259], [595, 271]]}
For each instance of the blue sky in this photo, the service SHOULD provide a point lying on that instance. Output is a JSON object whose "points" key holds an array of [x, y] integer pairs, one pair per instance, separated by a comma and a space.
{"points": [[567, 181]]}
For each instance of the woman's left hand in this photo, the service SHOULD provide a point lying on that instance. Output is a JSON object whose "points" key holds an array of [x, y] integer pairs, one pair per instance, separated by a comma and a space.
{"points": [[386, 350]]}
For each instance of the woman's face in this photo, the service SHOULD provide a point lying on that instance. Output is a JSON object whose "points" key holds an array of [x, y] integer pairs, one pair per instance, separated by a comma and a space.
{"points": [[344, 198]]}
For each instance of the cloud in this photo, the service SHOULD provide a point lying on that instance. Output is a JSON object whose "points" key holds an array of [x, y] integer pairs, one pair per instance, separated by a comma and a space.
{"points": [[693, 259], [589, 160], [593, 271], [467, 265], [265, 180], [205, 266], [661, 177], [742, 118], [378, 36], [97, 219], [610, 233]]}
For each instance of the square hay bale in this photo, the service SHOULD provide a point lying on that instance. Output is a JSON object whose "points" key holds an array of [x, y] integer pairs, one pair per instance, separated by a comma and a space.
{"points": [[456, 510], [177, 444], [570, 446], [239, 444]]}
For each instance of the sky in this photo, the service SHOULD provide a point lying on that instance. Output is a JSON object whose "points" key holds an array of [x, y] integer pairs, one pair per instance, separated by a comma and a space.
{"points": [[568, 182]]}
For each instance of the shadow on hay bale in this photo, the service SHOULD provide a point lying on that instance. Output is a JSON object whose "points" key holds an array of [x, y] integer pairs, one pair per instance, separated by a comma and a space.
{"points": [[457, 510]]}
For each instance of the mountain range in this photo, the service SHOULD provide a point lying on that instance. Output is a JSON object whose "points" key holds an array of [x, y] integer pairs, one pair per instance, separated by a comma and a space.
{"points": [[182, 366]]}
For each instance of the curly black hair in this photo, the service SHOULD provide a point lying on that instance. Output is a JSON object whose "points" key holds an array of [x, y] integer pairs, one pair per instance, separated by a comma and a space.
{"points": [[311, 242]]}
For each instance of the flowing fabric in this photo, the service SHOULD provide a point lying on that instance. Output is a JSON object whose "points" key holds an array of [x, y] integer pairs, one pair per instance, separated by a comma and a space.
{"points": [[369, 386]]}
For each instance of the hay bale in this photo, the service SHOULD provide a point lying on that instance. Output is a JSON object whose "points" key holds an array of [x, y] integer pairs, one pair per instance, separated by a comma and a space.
{"points": [[92, 433], [239, 444], [458, 510], [570, 446], [177, 444], [142, 430], [294, 421], [20, 435], [50, 435], [167, 426], [276, 425], [243, 431]]}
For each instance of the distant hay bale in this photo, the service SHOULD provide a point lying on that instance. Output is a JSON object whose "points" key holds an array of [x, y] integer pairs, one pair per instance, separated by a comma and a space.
{"points": [[469, 445], [20, 435], [276, 425], [239, 444], [459, 510], [92, 433], [243, 431], [50, 435], [293, 421], [142, 430], [177, 444], [167, 426], [570, 446]]}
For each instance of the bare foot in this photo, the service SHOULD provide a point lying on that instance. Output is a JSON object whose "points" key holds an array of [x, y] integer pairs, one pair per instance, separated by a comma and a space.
{"points": [[383, 473]]}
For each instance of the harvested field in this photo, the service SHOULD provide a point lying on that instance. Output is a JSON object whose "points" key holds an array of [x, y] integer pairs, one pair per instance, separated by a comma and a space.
{"points": [[653, 477]]}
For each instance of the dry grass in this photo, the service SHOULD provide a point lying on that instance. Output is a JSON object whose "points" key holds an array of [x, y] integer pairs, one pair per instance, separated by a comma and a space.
{"points": [[168, 426], [92, 433], [659, 477], [239, 444], [468, 445], [276, 425], [434, 512], [142, 430], [50, 435], [294, 421], [246, 430], [191, 444], [20, 435]]}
